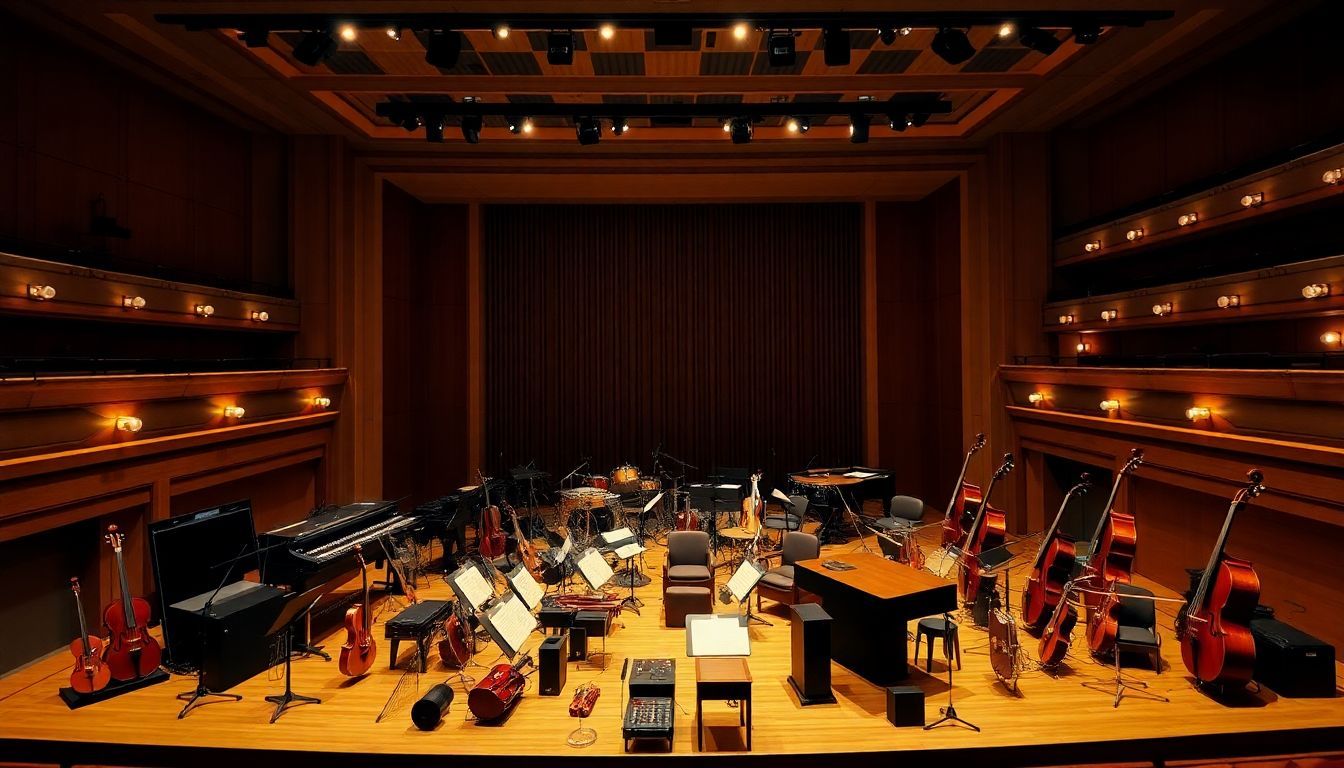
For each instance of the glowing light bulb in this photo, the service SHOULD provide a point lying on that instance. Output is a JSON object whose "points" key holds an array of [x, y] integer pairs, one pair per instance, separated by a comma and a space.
{"points": [[129, 424], [1252, 200], [204, 310], [1162, 309], [1065, 319], [41, 292], [1330, 337], [1230, 301], [260, 315], [501, 31], [1134, 234], [1109, 314], [1093, 246], [607, 31], [348, 33], [234, 412], [1197, 412], [1083, 347], [1186, 219], [1315, 290], [740, 30], [1007, 29], [1333, 176], [133, 302], [321, 402], [1110, 406], [1036, 398]]}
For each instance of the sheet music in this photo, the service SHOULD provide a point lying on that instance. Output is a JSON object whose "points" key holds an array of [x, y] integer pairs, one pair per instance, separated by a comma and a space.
{"points": [[526, 587], [861, 475], [565, 549], [727, 486], [653, 502], [594, 568], [744, 580], [509, 623], [940, 562], [778, 494], [710, 635], [620, 534], [470, 586], [628, 551]]}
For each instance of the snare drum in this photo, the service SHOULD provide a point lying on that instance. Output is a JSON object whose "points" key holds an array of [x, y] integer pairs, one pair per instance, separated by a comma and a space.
{"points": [[597, 481], [650, 484], [624, 474]]}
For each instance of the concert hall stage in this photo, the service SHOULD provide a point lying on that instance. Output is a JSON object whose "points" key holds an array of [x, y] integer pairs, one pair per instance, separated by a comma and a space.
{"points": [[1051, 721]]}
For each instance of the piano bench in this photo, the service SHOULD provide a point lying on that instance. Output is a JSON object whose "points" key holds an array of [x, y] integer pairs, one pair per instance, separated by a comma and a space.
{"points": [[417, 622]]}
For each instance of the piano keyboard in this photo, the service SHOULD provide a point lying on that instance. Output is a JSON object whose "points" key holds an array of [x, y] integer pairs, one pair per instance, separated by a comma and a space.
{"points": [[345, 544]]}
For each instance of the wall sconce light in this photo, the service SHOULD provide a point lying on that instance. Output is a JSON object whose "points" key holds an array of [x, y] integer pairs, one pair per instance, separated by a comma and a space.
{"points": [[1092, 247], [1162, 309], [133, 302], [41, 292], [1230, 301], [1252, 200], [260, 315], [1333, 176], [1083, 347], [1065, 319], [204, 310], [1186, 219], [1331, 338], [234, 412], [129, 423], [1110, 406], [1109, 314], [1036, 398], [1134, 234], [321, 402], [1197, 412], [1315, 291]]}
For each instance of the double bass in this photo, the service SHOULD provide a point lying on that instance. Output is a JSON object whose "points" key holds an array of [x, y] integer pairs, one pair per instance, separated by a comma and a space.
{"points": [[1216, 642], [988, 531], [90, 673], [132, 653], [957, 515], [497, 691], [1113, 543], [1051, 568], [1058, 632], [359, 649], [752, 506], [490, 534]]}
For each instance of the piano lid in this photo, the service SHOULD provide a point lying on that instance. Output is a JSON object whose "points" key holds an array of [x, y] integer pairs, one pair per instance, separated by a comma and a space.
{"points": [[331, 518]]}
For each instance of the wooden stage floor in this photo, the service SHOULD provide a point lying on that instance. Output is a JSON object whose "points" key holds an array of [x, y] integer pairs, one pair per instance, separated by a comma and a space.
{"points": [[1050, 721]]}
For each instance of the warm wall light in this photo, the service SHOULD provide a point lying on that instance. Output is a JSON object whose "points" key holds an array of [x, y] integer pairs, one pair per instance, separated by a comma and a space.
{"points": [[501, 31], [1093, 246], [322, 402], [1065, 319], [1333, 176], [260, 315], [1330, 338], [1252, 200], [1082, 347], [234, 412], [1110, 406], [1315, 291], [129, 423], [348, 33], [1036, 398], [133, 302], [1230, 301], [740, 30], [1186, 219], [1109, 314], [1195, 413], [1134, 234], [607, 31], [1162, 309], [204, 310], [41, 292]]}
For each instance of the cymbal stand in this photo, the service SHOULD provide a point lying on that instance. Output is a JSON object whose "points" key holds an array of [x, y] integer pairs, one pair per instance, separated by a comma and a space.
{"points": [[949, 713], [854, 518]]}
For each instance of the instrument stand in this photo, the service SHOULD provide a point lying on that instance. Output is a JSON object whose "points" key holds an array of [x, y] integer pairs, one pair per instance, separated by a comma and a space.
{"points": [[192, 697], [1123, 684], [854, 518], [284, 700], [582, 736], [634, 602], [303, 647], [949, 713]]}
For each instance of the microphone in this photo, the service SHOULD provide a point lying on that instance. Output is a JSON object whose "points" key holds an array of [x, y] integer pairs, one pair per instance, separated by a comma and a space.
{"points": [[625, 668]]}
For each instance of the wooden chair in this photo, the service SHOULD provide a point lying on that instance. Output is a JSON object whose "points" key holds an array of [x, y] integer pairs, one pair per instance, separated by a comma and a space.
{"points": [[777, 583], [688, 562]]}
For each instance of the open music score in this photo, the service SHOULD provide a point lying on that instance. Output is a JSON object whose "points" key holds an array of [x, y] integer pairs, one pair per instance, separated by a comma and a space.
{"points": [[745, 579], [861, 475], [617, 537], [594, 568], [509, 623], [709, 634], [526, 588], [470, 586]]}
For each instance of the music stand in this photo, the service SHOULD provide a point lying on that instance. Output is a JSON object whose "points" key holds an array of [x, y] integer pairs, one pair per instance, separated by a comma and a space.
{"points": [[743, 581], [949, 713], [298, 606], [191, 697]]}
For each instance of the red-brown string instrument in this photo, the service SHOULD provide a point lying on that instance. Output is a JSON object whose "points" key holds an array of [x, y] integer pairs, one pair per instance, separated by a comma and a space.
{"points": [[687, 519], [132, 652], [1216, 642], [490, 534], [1113, 543], [957, 516], [988, 531], [497, 691], [1058, 632], [359, 649], [90, 673], [1052, 567], [752, 506], [455, 647]]}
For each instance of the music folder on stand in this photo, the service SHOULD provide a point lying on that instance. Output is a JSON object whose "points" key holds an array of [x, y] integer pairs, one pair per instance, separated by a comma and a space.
{"points": [[299, 605]]}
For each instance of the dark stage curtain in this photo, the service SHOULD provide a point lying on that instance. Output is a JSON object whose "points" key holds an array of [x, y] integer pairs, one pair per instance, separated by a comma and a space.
{"points": [[729, 334]]}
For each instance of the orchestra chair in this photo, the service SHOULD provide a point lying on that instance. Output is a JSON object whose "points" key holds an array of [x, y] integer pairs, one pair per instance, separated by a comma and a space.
{"points": [[688, 563], [788, 518], [1137, 633], [905, 513], [937, 626], [777, 583]]}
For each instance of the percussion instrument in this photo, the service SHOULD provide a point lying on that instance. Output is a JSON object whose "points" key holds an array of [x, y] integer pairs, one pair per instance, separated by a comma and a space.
{"points": [[624, 474], [597, 481], [650, 484]]}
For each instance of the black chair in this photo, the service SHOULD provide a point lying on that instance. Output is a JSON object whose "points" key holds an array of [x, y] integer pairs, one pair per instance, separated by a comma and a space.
{"points": [[777, 584], [906, 512], [785, 517], [1136, 633]]}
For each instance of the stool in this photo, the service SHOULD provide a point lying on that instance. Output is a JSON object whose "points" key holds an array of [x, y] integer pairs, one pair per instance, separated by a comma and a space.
{"points": [[938, 627], [722, 679], [417, 622], [680, 601]]}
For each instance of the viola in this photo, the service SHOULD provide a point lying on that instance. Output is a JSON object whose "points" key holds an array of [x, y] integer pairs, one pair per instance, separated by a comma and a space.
{"points": [[1058, 631], [359, 649], [988, 531], [498, 690], [957, 516], [490, 534], [1113, 544], [132, 652], [1216, 642], [527, 553], [752, 506], [90, 673], [1052, 567], [454, 648]]}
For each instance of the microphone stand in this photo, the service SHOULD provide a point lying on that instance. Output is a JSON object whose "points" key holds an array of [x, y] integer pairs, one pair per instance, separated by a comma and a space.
{"points": [[949, 713], [574, 471], [192, 697]]}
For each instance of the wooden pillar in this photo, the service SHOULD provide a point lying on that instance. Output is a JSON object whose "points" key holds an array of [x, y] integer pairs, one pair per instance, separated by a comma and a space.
{"points": [[871, 426]]}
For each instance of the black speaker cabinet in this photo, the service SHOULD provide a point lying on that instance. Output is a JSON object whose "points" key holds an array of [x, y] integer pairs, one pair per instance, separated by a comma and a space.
{"points": [[810, 633], [236, 644], [578, 644], [1292, 663], [905, 705], [553, 665], [592, 622]]}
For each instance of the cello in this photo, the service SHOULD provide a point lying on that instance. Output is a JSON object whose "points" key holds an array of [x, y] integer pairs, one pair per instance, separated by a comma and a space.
{"points": [[1052, 567], [1216, 642], [490, 534], [957, 516], [752, 506], [988, 531], [497, 691], [90, 673], [132, 652], [1113, 543], [359, 649], [1058, 630]]}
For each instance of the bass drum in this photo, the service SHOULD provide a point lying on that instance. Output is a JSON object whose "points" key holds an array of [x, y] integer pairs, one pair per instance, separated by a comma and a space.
{"points": [[624, 474], [1003, 648]]}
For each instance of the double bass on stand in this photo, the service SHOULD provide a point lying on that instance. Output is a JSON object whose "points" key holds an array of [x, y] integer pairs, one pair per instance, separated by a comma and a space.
{"points": [[1051, 568], [988, 531], [1111, 563], [957, 516]]}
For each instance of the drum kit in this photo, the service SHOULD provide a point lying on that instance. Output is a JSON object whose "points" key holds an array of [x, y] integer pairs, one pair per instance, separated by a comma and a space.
{"points": [[589, 509]]}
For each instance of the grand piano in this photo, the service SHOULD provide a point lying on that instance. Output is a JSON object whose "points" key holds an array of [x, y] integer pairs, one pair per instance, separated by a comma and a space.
{"points": [[321, 548]]}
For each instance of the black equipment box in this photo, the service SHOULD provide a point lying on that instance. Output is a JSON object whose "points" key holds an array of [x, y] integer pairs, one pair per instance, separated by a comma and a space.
{"points": [[905, 705], [1292, 663], [236, 644], [553, 665], [648, 718], [556, 618], [594, 623], [653, 677], [810, 653]]}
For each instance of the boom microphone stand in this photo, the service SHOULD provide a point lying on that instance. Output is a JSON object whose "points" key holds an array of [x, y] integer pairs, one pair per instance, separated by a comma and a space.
{"points": [[949, 713], [192, 697]]}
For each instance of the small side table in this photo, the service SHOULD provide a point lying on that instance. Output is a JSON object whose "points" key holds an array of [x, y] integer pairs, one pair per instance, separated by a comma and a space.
{"points": [[722, 679]]}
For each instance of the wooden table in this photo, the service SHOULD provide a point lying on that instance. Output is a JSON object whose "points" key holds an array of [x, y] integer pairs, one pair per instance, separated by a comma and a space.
{"points": [[870, 607], [722, 679]]}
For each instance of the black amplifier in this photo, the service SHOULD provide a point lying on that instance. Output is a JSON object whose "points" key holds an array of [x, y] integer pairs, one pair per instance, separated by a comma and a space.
{"points": [[653, 677], [648, 718], [234, 631], [1292, 663]]}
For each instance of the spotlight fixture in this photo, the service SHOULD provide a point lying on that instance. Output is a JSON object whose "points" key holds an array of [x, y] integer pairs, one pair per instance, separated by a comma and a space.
{"points": [[1315, 291], [394, 32], [471, 129], [260, 316], [560, 48], [1086, 34], [1330, 338], [858, 129], [607, 31], [1109, 314], [1006, 29], [726, 125], [133, 302], [500, 31], [780, 49], [1163, 309], [41, 292], [1333, 176], [314, 47], [1083, 347], [348, 33], [1039, 40], [619, 125], [905, 31], [740, 30], [835, 46], [588, 130], [515, 124], [740, 129], [887, 36], [1110, 406], [1197, 412], [129, 423], [898, 123], [1229, 301], [952, 45], [1036, 398], [1252, 200], [1092, 247], [1186, 219], [204, 310], [443, 48], [234, 412], [321, 402], [1065, 319], [1134, 234], [798, 125]]}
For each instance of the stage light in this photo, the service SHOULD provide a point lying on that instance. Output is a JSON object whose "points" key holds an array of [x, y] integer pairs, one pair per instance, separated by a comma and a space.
{"points": [[443, 48], [887, 36], [780, 49], [1330, 337], [740, 129], [394, 32], [471, 129], [1065, 319], [260, 316], [1315, 291], [588, 130], [515, 124], [434, 128], [500, 31], [952, 45], [321, 402], [1110, 406], [1186, 219], [204, 310], [835, 46], [607, 31], [234, 412], [1197, 412], [1229, 301], [740, 30], [1163, 309], [858, 129], [1333, 176], [129, 423], [798, 125], [905, 31], [898, 123], [1086, 34], [1083, 347], [133, 302], [1039, 40], [1036, 398], [560, 48], [41, 292], [348, 33], [1006, 29], [1092, 247], [314, 47], [1134, 234], [528, 126], [1109, 314], [1252, 200]]}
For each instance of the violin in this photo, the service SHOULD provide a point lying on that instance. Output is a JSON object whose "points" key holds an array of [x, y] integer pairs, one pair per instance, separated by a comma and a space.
{"points": [[1216, 642], [490, 534], [1052, 567], [1113, 544], [988, 531], [359, 649], [527, 553], [752, 506], [498, 690], [133, 653], [90, 673], [1058, 631], [585, 697], [454, 648], [957, 517]]}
